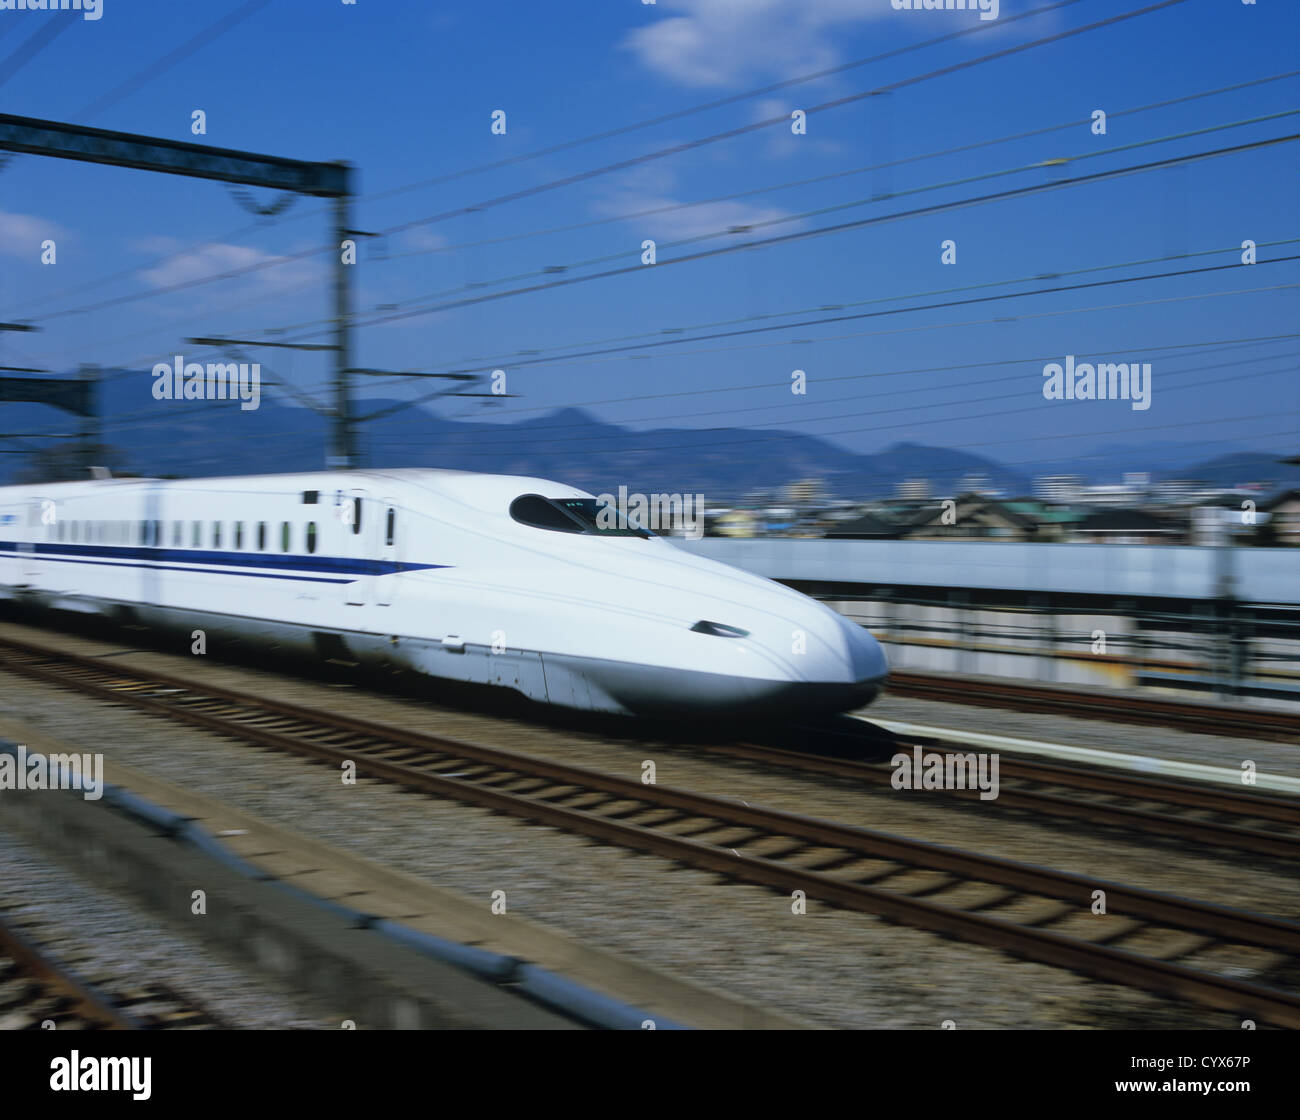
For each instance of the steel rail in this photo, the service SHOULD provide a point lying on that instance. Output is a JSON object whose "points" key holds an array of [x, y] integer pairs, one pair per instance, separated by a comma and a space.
{"points": [[532, 789]]}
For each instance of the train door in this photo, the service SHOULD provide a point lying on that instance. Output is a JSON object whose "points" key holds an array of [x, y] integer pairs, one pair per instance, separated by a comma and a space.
{"points": [[148, 534], [38, 528], [358, 533], [41, 513], [390, 550]]}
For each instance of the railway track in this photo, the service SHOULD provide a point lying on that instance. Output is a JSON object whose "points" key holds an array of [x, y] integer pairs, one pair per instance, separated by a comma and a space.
{"points": [[1238, 722], [1236, 820], [37, 991], [1177, 947]]}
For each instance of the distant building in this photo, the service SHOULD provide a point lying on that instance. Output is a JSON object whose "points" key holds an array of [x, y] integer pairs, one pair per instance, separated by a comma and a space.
{"points": [[1213, 525], [1284, 518], [1127, 526], [1137, 483], [1055, 522], [1106, 495], [868, 527], [1175, 490], [780, 521], [1058, 487], [976, 484], [807, 493], [732, 523], [971, 517], [914, 489]]}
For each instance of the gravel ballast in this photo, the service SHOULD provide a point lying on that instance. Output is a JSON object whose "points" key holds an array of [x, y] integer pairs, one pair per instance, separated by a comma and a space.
{"points": [[831, 967]]}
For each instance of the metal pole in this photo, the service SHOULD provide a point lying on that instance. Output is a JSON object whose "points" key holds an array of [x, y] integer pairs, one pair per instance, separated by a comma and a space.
{"points": [[91, 435], [342, 449]]}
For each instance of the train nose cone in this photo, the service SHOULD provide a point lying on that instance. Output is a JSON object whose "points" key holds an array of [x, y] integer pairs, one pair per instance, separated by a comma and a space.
{"points": [[844, 667], [864, 658]]}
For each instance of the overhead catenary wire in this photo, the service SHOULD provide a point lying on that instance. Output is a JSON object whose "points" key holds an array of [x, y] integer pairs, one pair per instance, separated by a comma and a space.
{"points": [[834, 103], [1010, 295], [964, 323], [883, 218], [827, 177], [607, 169], [1207, 346], [208, 35], [785, 405], [529, 357], [262, 225], [717, 103], [841, 227], [518, 446], [44, 35], [161, 65], [784, 219], [659, 344]]}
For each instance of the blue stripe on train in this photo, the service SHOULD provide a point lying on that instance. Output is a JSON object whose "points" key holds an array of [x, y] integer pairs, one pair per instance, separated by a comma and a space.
{"points": [[184, 560]]}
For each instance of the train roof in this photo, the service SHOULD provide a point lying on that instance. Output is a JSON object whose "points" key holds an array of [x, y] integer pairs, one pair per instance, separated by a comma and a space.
{"points": [[470, 487]]}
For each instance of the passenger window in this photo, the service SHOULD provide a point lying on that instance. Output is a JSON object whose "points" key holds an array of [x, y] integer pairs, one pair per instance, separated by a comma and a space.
{"points": [[284, 536], [390, 525], [196, 535], [157, 535], [216, 534], [74, 531], [177, 527], [311, 536], [356, 515], [261, 536], [239, 534]]}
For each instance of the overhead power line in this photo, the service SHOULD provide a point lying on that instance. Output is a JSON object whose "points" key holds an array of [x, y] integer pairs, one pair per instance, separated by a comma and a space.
{"points": [[592, 173], [240, 231], [719, 103], [841, 227]]}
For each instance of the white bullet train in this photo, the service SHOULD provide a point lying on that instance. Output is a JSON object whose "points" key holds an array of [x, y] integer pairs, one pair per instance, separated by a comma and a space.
{"points": [[490, 579]]}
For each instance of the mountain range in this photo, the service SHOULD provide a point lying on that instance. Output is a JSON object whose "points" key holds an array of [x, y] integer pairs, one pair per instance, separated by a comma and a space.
{"points": [[187, 439]]}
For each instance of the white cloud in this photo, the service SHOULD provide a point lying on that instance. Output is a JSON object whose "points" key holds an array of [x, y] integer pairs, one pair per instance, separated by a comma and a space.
{"points": [[720, 43], [216, 258], [652, 189], [21, 235], [421, 239]]}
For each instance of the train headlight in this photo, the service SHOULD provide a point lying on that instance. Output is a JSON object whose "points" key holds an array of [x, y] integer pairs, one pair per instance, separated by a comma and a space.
{"points": [[719, 630]]}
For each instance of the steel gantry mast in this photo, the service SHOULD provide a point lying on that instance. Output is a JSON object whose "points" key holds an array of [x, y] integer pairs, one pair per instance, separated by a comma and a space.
{"points": [[331, 180]]}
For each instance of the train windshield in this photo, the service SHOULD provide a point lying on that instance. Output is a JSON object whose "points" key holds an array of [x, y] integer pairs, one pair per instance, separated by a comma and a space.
{"points": [[608, 520], [574, 515]]}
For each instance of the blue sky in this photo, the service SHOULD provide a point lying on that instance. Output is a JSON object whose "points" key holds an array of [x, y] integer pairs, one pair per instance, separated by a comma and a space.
{"points": [[405, 91]]}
